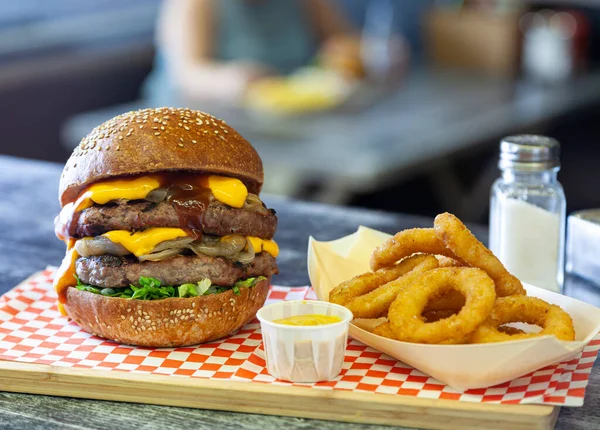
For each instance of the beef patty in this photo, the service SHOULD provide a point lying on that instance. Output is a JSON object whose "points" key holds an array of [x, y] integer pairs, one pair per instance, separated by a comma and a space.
{"points": [[219, 219], [111, 271]]}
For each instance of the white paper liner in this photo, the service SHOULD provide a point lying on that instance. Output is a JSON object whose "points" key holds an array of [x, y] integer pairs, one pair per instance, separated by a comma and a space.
{"points": [[459, 366]]}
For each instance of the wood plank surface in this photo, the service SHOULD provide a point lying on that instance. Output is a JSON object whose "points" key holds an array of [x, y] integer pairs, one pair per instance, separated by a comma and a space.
{"points": [[334, 405]]}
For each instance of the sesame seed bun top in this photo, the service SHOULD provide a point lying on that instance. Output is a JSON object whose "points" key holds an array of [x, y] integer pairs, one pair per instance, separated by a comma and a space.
{"points": [[160, 139]]}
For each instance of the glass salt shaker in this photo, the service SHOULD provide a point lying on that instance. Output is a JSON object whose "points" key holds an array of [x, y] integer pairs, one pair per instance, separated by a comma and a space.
{"points": [[527, 211]]}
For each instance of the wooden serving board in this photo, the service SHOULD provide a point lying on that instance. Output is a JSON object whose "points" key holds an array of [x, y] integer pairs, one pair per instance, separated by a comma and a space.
{"points": [[333, 405]]}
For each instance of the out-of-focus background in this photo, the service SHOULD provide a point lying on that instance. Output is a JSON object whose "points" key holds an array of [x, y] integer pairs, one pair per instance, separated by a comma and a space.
{"points": [[390, 104]]}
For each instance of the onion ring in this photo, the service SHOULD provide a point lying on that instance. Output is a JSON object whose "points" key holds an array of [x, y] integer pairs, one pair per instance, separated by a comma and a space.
{"points": [[377, 303], [506, 329], [367, 282], [457, 237], [384, 330], [448, 262], [453, 300], [408, 242], [405, 311], [531, 310], [433, 316]]}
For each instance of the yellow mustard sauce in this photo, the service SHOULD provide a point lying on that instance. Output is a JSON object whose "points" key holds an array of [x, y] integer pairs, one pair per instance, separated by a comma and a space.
{"points": [[310, 319]]}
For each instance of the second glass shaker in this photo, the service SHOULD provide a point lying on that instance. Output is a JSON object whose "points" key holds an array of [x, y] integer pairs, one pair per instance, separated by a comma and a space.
{"points": [[527, 211]]}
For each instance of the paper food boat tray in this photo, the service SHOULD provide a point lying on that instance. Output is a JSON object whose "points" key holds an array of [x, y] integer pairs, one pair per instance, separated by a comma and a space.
{"points": [[459, 366]]}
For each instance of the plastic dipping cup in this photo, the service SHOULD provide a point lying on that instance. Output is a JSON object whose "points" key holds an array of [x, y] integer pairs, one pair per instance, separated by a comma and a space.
{"points": [[304, 353]]}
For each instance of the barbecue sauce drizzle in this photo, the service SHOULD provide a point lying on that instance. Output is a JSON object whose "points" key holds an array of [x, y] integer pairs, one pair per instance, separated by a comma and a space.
{"points": [[190, 201]]}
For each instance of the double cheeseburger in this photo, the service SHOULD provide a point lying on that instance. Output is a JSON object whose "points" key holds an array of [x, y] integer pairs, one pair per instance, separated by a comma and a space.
{"points": [[168, 242]]}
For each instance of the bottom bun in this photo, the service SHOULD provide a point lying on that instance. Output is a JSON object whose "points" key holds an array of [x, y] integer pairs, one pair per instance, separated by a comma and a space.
{"points": [[168, 322]]}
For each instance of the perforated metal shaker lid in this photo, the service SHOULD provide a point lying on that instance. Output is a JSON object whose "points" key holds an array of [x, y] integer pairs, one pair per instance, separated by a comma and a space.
{"points": [[529, 152]]}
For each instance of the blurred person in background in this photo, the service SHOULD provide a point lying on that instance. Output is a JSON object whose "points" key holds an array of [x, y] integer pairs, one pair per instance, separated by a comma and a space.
{"points": [[214, 49]]}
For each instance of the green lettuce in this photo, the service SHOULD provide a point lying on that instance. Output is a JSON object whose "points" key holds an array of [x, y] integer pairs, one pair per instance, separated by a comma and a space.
{"points": [[152, 289]]}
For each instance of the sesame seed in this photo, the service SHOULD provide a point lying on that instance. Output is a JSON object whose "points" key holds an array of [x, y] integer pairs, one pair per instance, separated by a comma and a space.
{"points": [[162, 127], [186, 127], [216, 131], [157, 134], [154, 128], [180, 124], [180, 144], [193, 141], [118, 147]]}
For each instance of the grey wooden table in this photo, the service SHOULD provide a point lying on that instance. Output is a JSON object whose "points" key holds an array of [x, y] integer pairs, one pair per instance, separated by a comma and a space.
{"points": [[28, 204]]}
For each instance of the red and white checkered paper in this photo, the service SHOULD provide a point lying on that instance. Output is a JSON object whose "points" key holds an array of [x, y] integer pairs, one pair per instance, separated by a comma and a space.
{"points": [[32, 331]]}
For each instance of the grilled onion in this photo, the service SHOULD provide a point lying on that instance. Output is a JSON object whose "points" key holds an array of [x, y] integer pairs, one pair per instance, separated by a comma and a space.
{"points": [[228, 246], [157, 195], [98, 245], [246, 257], [161, 255], [254, 204], [180, 243], [231, 247]]}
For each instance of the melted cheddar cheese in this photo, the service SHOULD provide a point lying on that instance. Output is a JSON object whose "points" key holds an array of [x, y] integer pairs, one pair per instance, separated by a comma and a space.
{"points": [[143, 242], [128, 189], [65, 276], [230, 191], [267, 245]]}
